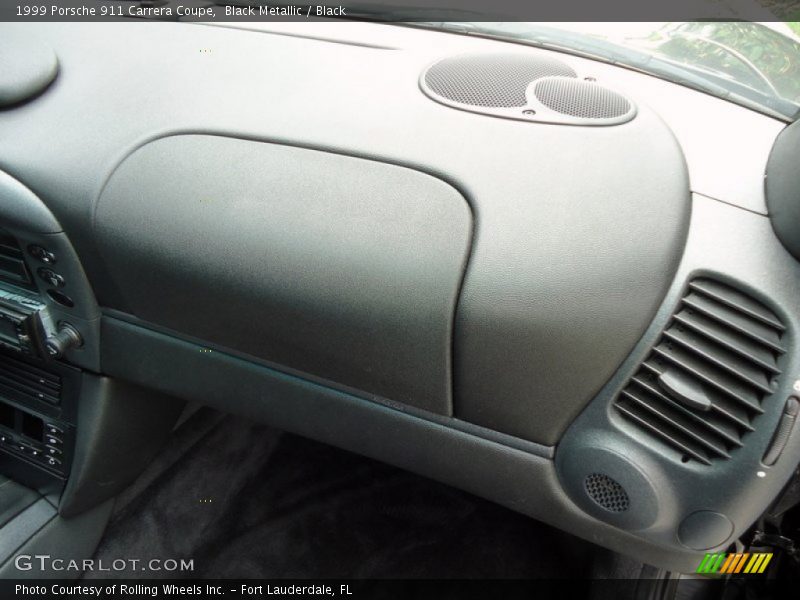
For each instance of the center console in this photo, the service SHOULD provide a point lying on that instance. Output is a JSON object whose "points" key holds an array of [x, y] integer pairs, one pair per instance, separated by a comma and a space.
{"points": [[70, 438], [48, 338]]}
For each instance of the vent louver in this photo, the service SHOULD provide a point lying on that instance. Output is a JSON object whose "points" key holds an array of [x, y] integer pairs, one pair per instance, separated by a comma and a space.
{"points": [[12, 265], [21, 381], [9, 247], [709, 374]]}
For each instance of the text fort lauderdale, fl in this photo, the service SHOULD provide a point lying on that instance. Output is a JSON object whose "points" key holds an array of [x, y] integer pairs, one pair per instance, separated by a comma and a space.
{"points": [[207, 590]]}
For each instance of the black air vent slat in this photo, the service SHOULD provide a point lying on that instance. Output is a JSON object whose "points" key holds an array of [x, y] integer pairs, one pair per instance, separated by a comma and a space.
{"points": [[721, 357], [724, 406], [727, 316], [9, 246], [730, 339], [709, 376], [10, 251], [677, 421], [687, 449], [737, 300], [719, 423]]}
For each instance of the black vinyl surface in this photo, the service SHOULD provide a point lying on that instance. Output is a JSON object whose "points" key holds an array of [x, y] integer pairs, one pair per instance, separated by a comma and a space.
{"points": [[246, 501]]}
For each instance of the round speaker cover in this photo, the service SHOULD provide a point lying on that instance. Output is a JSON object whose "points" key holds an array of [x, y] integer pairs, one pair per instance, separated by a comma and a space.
{"points": [[490, 80], [611, 486], [581, 99]]}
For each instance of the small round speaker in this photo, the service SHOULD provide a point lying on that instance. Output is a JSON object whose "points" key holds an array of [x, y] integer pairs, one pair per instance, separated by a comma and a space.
{"points": [[613, 484], [607, 492], [581, 99], [523, 87]]}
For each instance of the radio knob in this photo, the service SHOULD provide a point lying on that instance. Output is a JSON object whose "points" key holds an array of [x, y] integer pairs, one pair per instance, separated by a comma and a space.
{"points": [[66, 338]]}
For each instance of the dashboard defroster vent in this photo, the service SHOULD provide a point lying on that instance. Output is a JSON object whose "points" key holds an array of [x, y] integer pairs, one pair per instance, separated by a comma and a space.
{"points": [[708, 376]]}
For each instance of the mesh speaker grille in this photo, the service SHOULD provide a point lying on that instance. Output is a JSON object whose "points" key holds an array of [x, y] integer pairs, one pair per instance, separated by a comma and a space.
{"points": [[607, 493], [491, 80], [580, 99]]}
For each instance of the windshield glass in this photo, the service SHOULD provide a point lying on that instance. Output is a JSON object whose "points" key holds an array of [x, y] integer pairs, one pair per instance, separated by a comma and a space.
{"points": [[754, 64]]}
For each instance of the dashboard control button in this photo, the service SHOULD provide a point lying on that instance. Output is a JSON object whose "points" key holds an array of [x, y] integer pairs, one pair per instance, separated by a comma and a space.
{"points": [[51, 277], [52, 429], [50, 450], [42, 254], [53, 462], [52, 440]]}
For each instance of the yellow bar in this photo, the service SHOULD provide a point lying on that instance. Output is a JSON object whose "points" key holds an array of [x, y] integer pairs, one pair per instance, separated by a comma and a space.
{"points": [[765, 563], [741, 562], [724, 568], [753, 564]]}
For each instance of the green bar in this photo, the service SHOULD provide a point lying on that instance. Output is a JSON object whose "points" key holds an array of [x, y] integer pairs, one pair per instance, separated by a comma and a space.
{"points": [[719, 563], [701, 569]]}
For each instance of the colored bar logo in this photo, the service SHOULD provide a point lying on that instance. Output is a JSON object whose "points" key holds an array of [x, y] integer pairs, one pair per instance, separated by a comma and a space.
{"points": [[733, 563]]}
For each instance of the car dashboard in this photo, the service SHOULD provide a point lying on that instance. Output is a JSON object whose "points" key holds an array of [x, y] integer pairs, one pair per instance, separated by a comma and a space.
{"points": [[547, 280]]}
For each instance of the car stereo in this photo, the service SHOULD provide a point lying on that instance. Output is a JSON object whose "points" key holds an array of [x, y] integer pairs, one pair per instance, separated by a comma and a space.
{"points": [[22, 324]]}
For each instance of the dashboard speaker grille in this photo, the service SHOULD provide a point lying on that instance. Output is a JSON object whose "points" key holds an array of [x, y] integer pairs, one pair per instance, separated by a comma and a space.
{"points": [[582, 99], [490, 80], [709, 375], [607, 492]]}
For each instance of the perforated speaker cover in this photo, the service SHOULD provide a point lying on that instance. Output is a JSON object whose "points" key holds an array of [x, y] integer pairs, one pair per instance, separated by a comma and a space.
{"points": [[581, 99], [607, 492], [524, 87], [498, 80]]}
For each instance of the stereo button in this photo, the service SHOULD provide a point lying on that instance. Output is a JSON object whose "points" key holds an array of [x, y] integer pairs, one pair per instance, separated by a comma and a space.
{"points": [[51, 277], [42, 254]]}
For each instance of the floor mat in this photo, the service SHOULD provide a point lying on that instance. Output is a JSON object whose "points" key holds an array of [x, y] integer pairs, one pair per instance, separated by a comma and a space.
{"points": [[246, 501]]}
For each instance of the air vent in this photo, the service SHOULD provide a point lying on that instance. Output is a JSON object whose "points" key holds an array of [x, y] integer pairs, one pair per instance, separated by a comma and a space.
{"points": [[707, 379], [21, 381], [12, 264]]}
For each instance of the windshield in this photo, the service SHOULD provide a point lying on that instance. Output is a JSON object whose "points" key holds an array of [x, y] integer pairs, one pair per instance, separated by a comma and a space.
{"points": [[754, 64]]}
